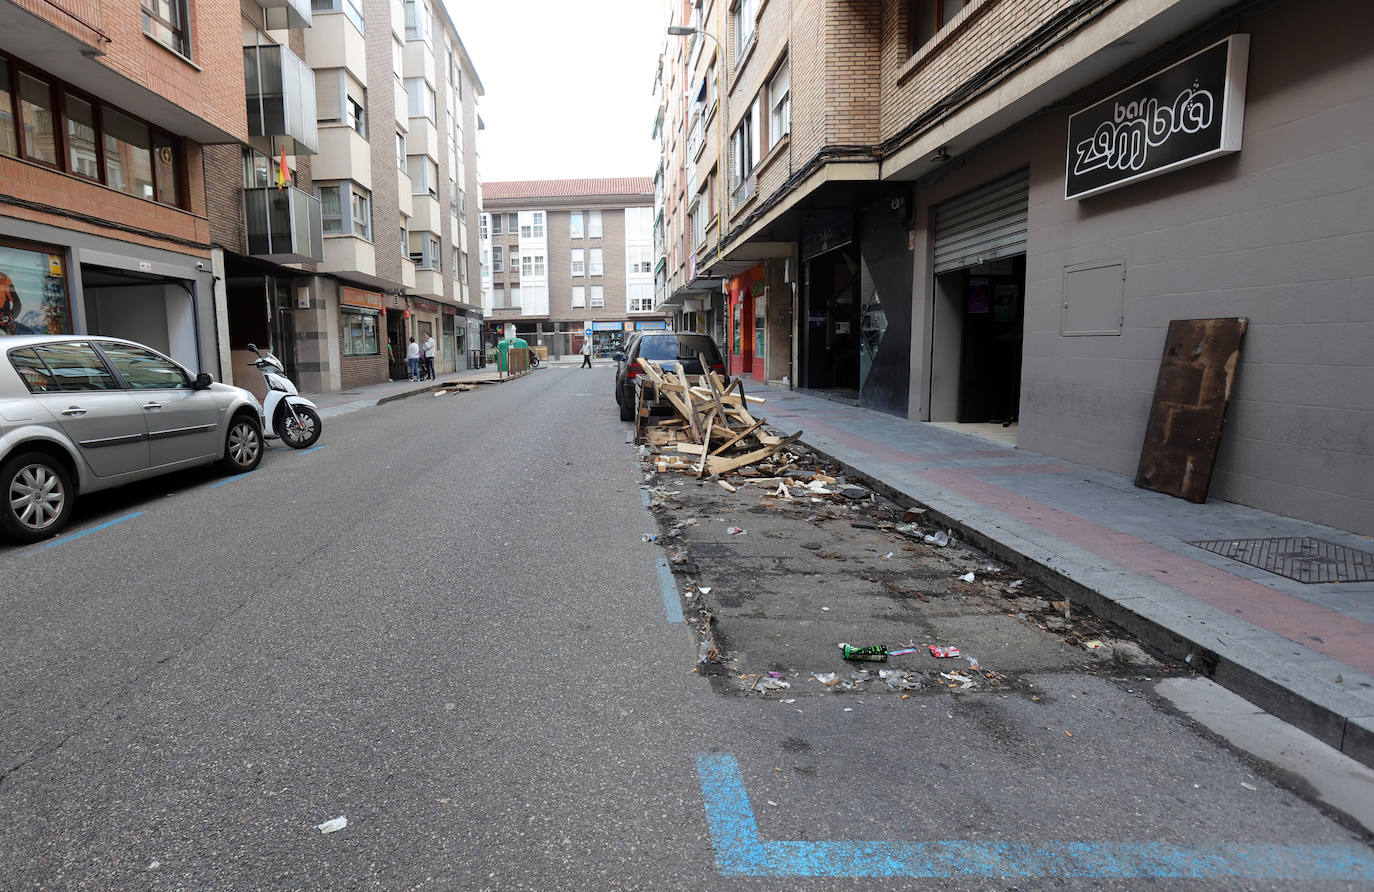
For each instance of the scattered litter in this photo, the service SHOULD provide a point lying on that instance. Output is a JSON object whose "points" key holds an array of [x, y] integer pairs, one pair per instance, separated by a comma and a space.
{"points": [[1093, 645], [967, 577], [826, 609], [645, 452], [793, 700], [895, 679], [901, 652], [338, 823], [736, 531], [913, 514], [726, 486], [1017, 583], [440, 392], [963, 681], [704, 589], [783, 492], [909, 529], [827, 678], [154, 865], [938, 651], [938, 539], [773, 684], [873, 653], [1249, 786], [888, 556], [850, 491], [817, 486], [651, 537], [774, 673]]}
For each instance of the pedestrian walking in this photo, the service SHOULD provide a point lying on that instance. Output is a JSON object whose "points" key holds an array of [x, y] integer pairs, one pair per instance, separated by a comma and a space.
{"points": [[429, 356], [586, 354], [413, 359]]}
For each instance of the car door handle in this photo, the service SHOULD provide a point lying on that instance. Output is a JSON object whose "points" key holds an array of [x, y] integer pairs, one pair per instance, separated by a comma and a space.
{"points": [[74, 411], [152, 407]]}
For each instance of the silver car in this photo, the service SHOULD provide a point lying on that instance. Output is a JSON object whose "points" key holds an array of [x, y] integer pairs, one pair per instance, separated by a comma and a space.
{"points": [[80, 414]]}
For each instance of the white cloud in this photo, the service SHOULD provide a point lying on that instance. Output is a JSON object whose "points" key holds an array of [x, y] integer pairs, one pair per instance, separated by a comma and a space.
{"points": [[569, 85]]}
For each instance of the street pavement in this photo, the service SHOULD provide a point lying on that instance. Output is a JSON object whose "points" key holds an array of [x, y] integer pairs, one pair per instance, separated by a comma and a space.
{"points": [[1304, 652], [442, 625]]}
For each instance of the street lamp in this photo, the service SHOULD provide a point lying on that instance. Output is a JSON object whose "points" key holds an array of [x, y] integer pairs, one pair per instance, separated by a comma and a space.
{"points": [[722, 164]]}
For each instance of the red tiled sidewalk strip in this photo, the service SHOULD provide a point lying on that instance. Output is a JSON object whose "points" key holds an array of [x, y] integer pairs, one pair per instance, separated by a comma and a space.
{"points": [[1322, 630]]}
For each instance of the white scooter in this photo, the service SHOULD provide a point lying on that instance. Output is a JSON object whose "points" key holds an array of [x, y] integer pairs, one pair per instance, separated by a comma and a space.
{"points": [[285, 413]]}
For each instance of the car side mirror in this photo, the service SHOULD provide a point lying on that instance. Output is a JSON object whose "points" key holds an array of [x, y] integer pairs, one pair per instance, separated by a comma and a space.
{"points": [[202, 382], [618, 357]]}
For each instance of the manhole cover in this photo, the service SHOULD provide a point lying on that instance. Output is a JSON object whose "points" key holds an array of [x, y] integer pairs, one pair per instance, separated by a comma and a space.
{"points": [[1304, 559]]}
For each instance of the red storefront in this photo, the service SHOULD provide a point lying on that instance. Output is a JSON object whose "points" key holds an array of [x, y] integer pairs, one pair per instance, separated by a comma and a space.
{"points": [[747, 337]]}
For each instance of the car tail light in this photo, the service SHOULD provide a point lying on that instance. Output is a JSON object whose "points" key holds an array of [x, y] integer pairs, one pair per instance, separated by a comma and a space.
{"points": [[633, 372], [718, 367]]}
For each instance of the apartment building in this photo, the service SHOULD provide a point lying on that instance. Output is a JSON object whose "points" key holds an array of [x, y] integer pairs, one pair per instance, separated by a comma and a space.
{"points": [[107, 108], [993, 209], [367, 237], [568, 260]]}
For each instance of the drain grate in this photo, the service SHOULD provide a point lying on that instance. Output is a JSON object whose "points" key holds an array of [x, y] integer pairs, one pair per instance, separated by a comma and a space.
{"points": [[1304, 559]]}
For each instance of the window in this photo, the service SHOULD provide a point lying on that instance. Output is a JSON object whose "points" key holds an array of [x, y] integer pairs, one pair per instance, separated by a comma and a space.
{"points": [[496, 220], [359, 332], [405, 237], [420, 98], [532, 265], [514, 297], [579, 266], [143, 369], [538, 224], [165, 22], [419, 24], [929, 17], [579, 296], [575, 225], [128, 155], [74, 366], [9, 139], [37, 117], [595, 265], [696, 222], [334, 197], [355, 104], [638, 259], [497, 263], [401, 152], [743, 148], [514, 261], [745, 13], [81, 145], [351, 8], [779, 105], [639, 297], [498, 296], [340, 98], [513, 221], [483, 224], [424, 175], [598, 296], [593, 224]]}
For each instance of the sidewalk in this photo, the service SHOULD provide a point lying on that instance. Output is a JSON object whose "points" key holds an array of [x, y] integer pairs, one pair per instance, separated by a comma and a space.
{"points": [[1303, 652], [344, 401]]}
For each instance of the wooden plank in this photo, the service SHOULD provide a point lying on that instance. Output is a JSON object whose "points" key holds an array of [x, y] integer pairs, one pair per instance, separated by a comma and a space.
{"points": [[739, 435], [1183, 435], [689, 448], [705, 444], [720, 465], [715, 394]]}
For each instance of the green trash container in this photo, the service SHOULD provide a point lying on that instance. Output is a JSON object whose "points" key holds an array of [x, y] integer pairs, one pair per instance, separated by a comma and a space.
{"points": [[503, 348]]}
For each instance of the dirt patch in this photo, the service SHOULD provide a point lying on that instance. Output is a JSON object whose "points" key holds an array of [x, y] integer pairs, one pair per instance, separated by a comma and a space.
{"points": [[776, 577]]}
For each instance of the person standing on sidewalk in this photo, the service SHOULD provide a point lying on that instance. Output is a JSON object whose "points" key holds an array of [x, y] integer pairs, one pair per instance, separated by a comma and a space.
{"points": [[413, 359], [586, 354], [429, 356]]}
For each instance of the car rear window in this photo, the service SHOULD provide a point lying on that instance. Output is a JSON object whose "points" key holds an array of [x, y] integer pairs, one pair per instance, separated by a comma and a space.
{"points": [[676, 347]]}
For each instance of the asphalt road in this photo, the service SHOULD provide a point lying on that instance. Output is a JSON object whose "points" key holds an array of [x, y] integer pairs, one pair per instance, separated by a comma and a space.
{"points": [[443, 625]]}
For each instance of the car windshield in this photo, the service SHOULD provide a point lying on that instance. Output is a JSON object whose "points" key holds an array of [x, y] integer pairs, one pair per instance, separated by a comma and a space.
{"points": [[673, 347]]}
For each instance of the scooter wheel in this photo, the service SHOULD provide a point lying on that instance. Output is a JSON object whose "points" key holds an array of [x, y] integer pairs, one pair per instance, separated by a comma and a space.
{"points": [[300, 432]]}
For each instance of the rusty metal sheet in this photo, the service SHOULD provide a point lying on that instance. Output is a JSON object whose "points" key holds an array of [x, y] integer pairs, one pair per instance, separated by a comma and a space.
{"points": [[1194, 387]]}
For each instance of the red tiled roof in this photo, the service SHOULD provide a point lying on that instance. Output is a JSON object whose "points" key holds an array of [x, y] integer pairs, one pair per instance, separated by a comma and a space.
{"points": [[521, 189]]}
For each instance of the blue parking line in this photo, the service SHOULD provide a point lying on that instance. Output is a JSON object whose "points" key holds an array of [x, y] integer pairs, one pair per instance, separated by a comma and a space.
{"points": [[740, 852], [672, 604], [229, 479], [65, 539], [312, 449]]}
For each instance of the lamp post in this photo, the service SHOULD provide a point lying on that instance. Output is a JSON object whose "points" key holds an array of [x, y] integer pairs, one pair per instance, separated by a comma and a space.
{"points": [[722, 163]]}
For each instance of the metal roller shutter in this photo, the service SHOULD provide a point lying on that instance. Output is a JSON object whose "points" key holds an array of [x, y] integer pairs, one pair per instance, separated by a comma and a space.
{"points": [[984, 224]]}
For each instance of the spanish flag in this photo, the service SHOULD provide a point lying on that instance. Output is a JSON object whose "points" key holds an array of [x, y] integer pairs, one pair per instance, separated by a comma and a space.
{"points": [[283, 174]]}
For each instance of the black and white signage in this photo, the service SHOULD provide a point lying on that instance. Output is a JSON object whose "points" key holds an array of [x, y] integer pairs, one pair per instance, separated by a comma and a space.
{"points": [[1187, 113]]}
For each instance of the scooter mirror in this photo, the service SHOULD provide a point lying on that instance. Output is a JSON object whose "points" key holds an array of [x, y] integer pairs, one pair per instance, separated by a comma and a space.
{"points": [[252, 346]]}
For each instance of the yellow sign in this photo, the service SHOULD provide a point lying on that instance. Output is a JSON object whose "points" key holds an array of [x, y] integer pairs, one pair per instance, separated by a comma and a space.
{"points": [[55, 265]]}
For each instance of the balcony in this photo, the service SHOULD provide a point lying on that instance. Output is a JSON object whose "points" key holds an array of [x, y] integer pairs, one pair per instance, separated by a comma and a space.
{"points": [[350, 254], [283, 226], [284, 14], [429, 282], [281, 98], [344, 155], [334, 42]]}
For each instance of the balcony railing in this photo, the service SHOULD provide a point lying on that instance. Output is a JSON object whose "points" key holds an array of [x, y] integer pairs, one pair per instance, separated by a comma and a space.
{"points": [[281, 98], [283, 225]]}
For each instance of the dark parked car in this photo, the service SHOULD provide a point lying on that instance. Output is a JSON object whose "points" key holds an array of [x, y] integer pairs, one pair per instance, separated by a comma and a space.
{"points": [[664, 348]]}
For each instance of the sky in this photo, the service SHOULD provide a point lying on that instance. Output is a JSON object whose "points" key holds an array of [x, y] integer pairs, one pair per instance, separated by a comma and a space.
{"points": [[569, 85]]}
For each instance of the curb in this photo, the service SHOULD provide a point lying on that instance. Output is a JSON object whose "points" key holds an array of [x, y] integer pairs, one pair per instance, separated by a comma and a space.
{"points": [[1305, 701]]}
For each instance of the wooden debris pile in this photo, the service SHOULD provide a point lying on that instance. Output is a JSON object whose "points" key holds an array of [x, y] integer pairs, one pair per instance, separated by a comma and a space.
{"points": [[714, 433]]}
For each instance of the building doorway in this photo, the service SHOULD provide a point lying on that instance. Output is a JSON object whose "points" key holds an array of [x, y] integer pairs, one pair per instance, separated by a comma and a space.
{"points": [[831, 313], [150, 309], [976, 359]]}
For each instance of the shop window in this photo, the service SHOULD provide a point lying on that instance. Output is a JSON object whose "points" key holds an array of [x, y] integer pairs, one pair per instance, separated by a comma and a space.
{"points": [[360, 334], [33, 291]]}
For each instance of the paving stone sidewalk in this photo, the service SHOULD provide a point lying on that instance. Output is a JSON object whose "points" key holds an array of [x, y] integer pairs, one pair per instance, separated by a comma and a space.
{"points": [[1302, 651]]}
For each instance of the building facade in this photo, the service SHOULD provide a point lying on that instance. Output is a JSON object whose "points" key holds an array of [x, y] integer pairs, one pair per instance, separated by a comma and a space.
{"points": [[368, 236], [993, 209], [565, 261], [107, 109]]}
